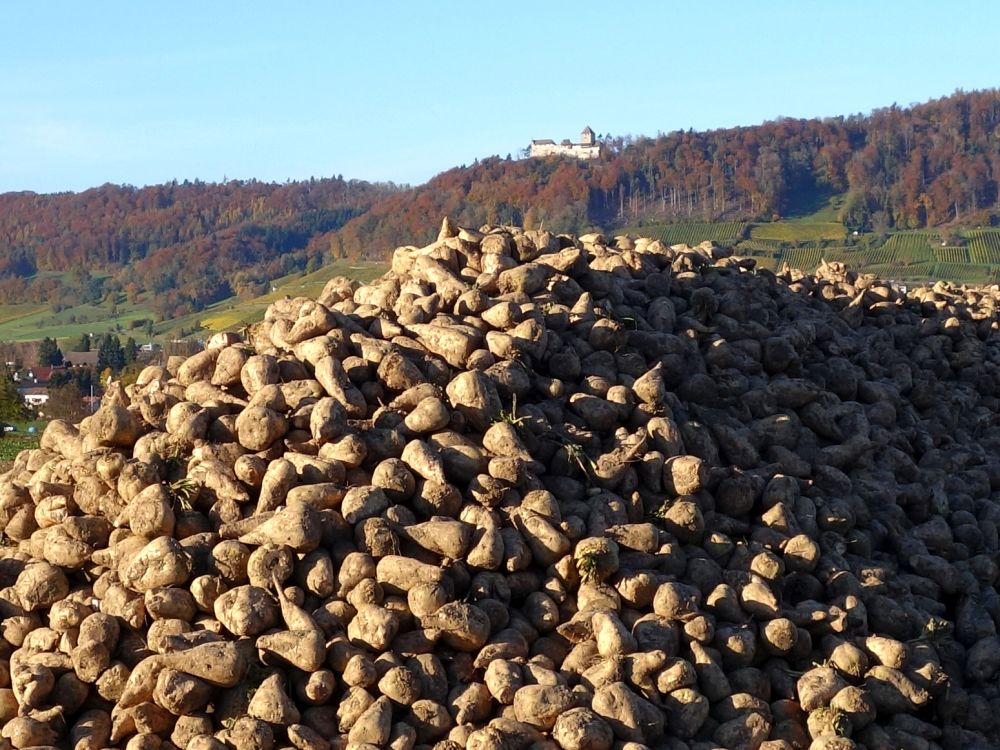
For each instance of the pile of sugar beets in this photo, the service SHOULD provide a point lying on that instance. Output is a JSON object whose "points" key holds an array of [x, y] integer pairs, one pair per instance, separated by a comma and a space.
{"points": [[527, 491]]}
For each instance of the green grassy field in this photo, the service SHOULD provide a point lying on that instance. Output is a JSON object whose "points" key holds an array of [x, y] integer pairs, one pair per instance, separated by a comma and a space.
{"points": [[827, 211], [690, 233], [11, 445], [842, 254], [769, 262], [35, 322], [768, 247], [918, 272], [32, 322], [799, 231], [14, 312]]}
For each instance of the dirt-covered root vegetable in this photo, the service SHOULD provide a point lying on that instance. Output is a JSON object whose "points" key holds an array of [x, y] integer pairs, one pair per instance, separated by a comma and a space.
{"points": [[527, 490], [503, 679], [361, 503], [891, 691], [430, 415], [399, 573], [246, 610], [373, 627], [91, 731], [271, 703], [582, 729], [296, 526], [463, 627], [443, 536], [546, 540], [596, 558], [306, 738], [687, 710], [855, 705], [162, 562], [540, 705], [676, 601], [181, 694], [24, 732], [632, 718], [817, 687], [114, 425]]}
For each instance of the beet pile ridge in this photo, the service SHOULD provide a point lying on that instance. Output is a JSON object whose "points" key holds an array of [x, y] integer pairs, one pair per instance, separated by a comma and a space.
{"points": [[527, 491]]}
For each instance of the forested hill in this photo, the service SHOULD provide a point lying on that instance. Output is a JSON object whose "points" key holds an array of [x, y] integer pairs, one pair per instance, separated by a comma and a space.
{"points": [[927, 165], [193, 243], [189, 243]]}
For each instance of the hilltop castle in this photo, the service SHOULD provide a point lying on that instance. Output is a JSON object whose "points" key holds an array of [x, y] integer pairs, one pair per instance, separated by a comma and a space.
{"points": [[587, 148]]}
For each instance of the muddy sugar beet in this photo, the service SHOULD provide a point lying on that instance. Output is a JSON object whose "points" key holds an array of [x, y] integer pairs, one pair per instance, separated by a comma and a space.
{"points": [[527, 491]]}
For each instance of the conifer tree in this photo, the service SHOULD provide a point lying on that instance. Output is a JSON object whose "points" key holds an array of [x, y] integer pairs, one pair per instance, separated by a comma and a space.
{"points": [[11, 405], [110, 354], [49, 354]]}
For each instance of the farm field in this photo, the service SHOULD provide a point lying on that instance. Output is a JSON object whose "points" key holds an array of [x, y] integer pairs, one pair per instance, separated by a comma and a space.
{"points": [[12, 444], [951, 254], [760, 246], [690, 233], [32, 322], [905, 255], [909, 255], [803, 258], [13, 312], [905, 247], [968, 273], [769, 262], [799, 231], [984, 246], [902, 272]]}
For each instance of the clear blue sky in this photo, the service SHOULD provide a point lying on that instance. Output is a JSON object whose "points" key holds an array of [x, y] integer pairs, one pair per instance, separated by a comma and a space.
{"points": [[141, 92]]}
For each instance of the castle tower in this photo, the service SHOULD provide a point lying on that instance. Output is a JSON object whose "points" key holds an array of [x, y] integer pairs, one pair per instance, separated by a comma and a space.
{"points": [[587, 137]]}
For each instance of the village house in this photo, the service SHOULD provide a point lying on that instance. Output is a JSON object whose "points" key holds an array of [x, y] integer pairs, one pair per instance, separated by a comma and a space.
{"points": [[80, 359], [587, 148], [33, 385], [35, 376], [34, 396]]}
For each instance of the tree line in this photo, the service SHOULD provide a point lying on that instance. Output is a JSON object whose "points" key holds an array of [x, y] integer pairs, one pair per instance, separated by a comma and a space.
{"points": [[189, 243]]}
